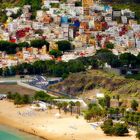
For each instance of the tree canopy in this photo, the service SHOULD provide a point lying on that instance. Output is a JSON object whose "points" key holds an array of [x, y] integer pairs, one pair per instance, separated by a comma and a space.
{"points": [[8, 47], [39, 43], [128, 59], [134, 105], [108, 57], [64, 45], [42, 96], [55, 53], [110, 45], [117, 129], [138, 134]]}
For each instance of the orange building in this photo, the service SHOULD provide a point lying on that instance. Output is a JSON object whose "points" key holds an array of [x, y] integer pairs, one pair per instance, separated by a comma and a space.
{"points": [[19, 55], [84, 25], [98, 26], [47, 19]]}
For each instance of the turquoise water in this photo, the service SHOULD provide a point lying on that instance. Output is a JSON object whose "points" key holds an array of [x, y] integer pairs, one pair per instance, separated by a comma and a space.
{"points": [[9, 136], [7, 133]]}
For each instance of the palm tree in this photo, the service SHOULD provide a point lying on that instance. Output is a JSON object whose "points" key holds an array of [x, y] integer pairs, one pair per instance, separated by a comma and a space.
{"points": [[49, 100], [50, 107], [134, 105], [72, 104], [78, 105], [118, 97], [18, 99], [122, 111], [65, 104], [131, 119], [59, 105], [126, 116], [138, 134], [88, 115]]}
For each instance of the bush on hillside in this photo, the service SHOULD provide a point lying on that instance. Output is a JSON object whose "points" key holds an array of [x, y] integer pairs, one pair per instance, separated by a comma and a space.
{"points": [[138, 134], [117, 129]]}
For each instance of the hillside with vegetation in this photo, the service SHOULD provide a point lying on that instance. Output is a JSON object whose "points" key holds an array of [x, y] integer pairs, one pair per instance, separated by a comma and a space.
{"points": [[35, 4], [133, 5], [11, 3], [82, 82]]}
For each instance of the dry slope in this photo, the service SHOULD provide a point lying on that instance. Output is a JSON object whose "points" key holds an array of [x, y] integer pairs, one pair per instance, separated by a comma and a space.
{"points": [[80, 82]]}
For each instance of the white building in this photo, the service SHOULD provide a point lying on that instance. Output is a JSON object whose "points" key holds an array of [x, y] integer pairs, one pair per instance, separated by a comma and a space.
{"points": [[137, 43]]}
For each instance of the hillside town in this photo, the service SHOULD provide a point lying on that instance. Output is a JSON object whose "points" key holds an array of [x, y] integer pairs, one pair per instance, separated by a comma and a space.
{"points": [[88, 26], [69, 70]]}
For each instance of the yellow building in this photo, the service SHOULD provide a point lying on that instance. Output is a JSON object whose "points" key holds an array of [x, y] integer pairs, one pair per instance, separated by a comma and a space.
{"points": [[53, 46], [43, 50], [92, 41], [86, 5]]}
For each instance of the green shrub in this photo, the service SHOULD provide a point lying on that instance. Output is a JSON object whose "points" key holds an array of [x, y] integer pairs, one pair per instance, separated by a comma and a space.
{"points": [[120, 129], [138, 134], [89, 86], [117, 129]]}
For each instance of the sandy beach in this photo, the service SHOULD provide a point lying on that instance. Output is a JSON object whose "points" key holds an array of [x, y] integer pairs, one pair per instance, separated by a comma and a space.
{"points": [[46, 125]]}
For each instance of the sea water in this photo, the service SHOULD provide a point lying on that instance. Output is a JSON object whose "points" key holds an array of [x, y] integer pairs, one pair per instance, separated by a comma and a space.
{"points": [[8, 133]]}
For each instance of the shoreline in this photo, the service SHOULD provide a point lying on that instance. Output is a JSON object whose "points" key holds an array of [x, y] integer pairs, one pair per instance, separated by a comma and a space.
{"points": [[45, 126], [9, 123], [19, 132]]}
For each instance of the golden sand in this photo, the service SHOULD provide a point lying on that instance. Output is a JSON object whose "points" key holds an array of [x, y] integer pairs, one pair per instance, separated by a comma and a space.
{"points": [[46, 125]]}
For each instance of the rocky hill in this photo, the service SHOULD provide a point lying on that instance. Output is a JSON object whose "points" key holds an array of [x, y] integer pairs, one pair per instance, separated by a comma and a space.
{"points": [[8, 3], [82, 82]]}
